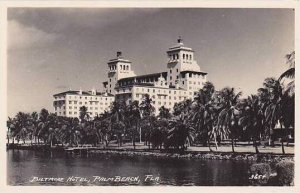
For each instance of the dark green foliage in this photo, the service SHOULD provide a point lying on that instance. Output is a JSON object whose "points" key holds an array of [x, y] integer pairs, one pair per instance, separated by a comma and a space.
{"points": [[285, 172]]}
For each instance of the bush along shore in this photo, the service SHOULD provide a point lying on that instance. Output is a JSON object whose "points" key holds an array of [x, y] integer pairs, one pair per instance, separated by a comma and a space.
{"points": [[268, 158]]}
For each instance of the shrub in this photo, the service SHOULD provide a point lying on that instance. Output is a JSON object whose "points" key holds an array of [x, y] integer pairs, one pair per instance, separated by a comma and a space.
{"points": [[285, 172], [259, 173]]}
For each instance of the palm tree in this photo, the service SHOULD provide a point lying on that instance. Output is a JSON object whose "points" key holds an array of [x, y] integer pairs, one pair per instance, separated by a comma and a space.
{"points": [[164, 113], [289, 73], [35, 119], [42, 124], [252, 119], [132, 120], [203, 111], [227, 121], [280, 108], [148, 118], [117, 120], [180, 132], [159, 132], [21, 125], [84, 114]]}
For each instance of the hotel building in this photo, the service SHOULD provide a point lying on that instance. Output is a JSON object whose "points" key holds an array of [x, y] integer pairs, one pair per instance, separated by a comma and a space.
{"points": [[180, 81]]}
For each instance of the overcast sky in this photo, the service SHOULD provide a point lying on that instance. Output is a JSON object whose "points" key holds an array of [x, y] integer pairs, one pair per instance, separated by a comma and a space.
{"points": [[52, 50]]}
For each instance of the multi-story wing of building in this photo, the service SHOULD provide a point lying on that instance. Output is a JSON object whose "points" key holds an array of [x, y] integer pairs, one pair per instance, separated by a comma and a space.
{"points": [[180, 81], [68, 103]]}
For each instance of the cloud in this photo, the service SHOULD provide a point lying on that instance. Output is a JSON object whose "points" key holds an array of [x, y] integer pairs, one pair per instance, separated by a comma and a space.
{"points": [[21, 36]]}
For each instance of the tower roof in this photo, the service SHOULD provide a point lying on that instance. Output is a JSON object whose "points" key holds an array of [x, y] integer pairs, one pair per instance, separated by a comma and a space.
{"points": [[179, 46]]}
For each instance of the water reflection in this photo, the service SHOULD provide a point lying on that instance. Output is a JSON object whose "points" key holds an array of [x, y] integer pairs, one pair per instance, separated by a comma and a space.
{"points": [[23, 165]]}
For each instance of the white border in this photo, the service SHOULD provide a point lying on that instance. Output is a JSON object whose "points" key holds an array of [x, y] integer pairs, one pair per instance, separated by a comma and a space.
{"points": [[134, 3]]}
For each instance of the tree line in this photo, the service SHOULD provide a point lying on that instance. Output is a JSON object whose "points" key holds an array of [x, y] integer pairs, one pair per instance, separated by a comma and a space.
{"points": [[211, 117]]}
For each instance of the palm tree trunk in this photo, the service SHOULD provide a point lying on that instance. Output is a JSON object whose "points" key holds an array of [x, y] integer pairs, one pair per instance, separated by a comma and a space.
{"points": [[216, 143], [255, 146], [282, 139]]}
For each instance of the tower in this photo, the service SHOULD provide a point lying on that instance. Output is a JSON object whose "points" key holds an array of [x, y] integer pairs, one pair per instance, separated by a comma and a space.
{"points": [[118, 68], [180, 58]]}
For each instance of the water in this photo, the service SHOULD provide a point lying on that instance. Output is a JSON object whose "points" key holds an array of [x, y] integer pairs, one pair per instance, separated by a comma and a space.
{"points": [[24, 165]]}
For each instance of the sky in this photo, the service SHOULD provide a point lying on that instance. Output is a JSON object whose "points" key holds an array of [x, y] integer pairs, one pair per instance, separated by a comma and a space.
{"points": [[52, 50]]}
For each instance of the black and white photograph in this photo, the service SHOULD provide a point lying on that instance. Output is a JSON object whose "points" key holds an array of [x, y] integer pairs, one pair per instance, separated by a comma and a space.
{"points": [[150, 96]]}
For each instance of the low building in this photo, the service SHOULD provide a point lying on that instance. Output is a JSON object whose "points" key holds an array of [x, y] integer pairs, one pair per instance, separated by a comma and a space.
{"points": [[68, 103]]}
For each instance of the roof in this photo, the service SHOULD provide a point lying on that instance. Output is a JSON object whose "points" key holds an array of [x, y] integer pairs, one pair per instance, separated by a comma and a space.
{"points": [[191, 71], [164, 74], [83, 93]]}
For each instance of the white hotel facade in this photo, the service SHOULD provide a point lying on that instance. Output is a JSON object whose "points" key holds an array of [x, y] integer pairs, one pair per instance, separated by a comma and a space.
{"points": [[180, 81]]}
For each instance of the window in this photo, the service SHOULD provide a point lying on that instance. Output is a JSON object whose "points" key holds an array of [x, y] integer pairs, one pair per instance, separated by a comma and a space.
{"points": [[190, 75], [177, 70], [70, 107], [70, 102], [182, 82], [75, 102], [177, 77], [170, 77], [170, 71], [183, 56], [137, 95], [177, 56], [153, 90]]}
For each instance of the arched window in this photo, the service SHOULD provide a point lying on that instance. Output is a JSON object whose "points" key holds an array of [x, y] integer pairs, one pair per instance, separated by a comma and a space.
{"points": [[183, 56], [127, 68], [177, 56], [191, 57], [173, 56]]}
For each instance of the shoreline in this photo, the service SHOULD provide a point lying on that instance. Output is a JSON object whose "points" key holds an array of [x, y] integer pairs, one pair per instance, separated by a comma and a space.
{"points": [[155, 153]]}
